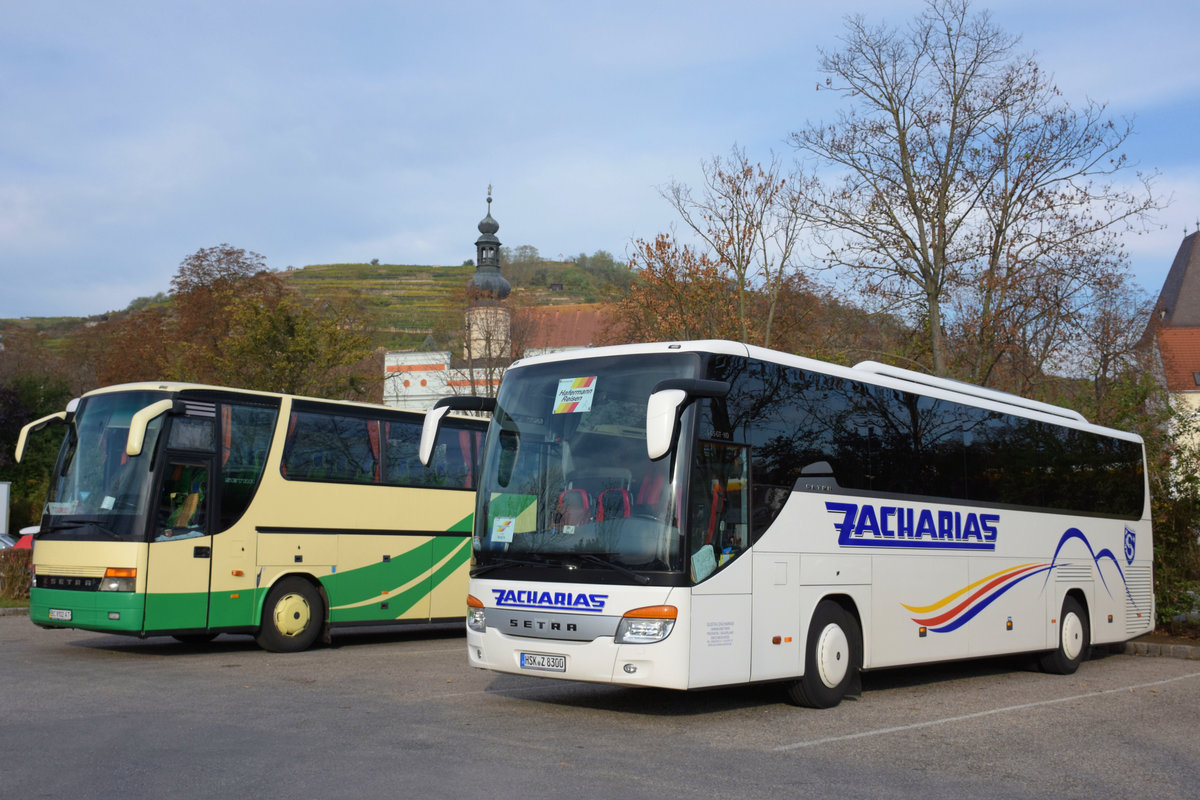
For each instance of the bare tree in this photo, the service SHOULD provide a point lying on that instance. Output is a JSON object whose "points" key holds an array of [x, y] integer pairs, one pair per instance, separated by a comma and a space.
{"points": [[962, 177], [749, 218]]}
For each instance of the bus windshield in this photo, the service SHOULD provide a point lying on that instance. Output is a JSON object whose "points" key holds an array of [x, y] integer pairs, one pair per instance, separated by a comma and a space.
{"points": [[98, 492], [566, 479]]}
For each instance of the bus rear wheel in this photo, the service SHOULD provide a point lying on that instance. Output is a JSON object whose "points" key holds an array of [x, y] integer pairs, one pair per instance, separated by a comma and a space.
{"points": [[292, 617], [1074, 640], [832, 658]]}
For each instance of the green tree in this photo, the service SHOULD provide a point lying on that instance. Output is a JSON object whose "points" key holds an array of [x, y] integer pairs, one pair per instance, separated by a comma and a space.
{"points": [[286, 346], [32, 385], [608, 275], [208, 287]]}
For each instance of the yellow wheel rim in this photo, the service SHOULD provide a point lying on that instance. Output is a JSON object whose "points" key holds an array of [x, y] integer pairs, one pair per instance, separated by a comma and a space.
{"points": [[292, 614]]}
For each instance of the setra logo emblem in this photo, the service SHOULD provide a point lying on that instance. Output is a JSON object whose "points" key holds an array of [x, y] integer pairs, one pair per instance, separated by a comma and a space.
{"points": [[1130, 546]]}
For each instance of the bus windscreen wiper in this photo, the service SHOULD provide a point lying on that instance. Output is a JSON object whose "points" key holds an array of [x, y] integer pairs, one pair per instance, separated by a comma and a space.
{"points": [[71, 524], [510, 562], [591, 559]]}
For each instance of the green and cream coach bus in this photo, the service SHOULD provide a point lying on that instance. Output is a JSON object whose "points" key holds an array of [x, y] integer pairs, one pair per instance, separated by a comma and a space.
{"points": [[189, 510], [701, 514]]}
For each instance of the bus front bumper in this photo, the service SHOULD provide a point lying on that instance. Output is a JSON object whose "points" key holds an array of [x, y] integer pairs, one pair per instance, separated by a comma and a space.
{"points": [[661, 665], [91, 610]]}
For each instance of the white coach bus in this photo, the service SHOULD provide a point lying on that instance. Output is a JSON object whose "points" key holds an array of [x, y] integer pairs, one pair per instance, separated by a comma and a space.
{"points": [[704, 514]]}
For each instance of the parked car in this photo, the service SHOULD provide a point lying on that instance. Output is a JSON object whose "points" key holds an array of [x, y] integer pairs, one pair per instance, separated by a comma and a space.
{"points": [[6, 541], [25, 538]]}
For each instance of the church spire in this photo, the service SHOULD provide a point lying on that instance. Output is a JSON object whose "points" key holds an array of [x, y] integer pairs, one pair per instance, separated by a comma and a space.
{"points": [[487, 280]]}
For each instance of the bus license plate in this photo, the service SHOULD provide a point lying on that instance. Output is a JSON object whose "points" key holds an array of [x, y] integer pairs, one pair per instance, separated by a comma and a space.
{"points": [[543, 662], [61, 614]]}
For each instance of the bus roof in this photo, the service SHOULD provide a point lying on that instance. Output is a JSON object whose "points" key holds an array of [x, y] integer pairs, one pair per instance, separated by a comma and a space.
{"points": [[175, 387], [867, 372]]}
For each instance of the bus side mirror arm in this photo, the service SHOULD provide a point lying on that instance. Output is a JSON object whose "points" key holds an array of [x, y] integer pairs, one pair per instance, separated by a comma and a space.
{"points": [[141, 420], [36, 425], [665, 407], [435, 415]]}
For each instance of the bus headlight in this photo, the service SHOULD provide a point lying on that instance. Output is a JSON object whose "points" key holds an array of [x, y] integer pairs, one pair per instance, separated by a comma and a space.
{"points": [[118, 579], [646, 625], [476, 617]]}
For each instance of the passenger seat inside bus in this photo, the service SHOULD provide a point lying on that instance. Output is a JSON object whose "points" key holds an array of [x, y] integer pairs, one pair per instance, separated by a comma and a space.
{"points": [[613, 504], [574, 507]]}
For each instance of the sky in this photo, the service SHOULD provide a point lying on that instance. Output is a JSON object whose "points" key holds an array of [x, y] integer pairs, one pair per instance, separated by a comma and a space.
{"points": [[133, 134]]}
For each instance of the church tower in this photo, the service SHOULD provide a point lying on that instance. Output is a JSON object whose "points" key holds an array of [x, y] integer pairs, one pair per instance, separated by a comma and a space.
{"points": [[488, 327], [1175, 326]]}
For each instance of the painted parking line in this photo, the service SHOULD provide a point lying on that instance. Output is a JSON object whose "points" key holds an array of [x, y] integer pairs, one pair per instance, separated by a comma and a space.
{"points": [[976, 715]]}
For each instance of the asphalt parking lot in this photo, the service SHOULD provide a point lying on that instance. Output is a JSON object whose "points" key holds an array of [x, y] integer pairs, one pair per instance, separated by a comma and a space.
{"points": [[399, 714]]}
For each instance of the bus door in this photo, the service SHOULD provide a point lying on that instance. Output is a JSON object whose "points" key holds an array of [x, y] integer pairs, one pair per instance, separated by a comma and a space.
{"points": [[718, 532], [179, 568]]}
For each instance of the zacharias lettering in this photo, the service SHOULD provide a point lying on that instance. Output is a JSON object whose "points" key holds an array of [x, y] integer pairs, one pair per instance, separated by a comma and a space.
{"points": [[899, 526]]}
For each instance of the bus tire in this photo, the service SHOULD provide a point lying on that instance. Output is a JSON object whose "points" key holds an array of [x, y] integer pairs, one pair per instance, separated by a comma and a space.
{"points": [[1074, 640], [292, 617], [832, 658]]}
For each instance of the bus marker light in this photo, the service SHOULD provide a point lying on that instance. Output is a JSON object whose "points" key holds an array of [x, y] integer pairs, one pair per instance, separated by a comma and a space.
{"points": [[234, 596], [118, 579], [114, 615], [1008, 624], [476, 616], [237, 573], [646, 625], [922, 632]]}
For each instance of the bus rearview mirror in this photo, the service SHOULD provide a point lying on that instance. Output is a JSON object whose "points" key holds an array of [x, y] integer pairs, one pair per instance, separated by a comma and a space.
{"points": [[429, 432], [140, 421], [434, 417], [36, 425], [665, 407], [663, 410]]}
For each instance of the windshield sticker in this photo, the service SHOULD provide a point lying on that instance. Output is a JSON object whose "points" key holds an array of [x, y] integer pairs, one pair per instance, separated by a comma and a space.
{"points": [[502, 529], [510, 514], [574, 395], [704, 563]]}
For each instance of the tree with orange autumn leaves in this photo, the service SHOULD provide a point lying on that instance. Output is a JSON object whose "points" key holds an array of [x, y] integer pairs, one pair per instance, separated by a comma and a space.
{"points": [[678, 294], [230, 320]]}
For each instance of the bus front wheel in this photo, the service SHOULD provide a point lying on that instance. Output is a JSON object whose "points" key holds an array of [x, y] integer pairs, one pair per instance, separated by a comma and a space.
{"points": [[292, 617], [1074, 640], [832, 658]]}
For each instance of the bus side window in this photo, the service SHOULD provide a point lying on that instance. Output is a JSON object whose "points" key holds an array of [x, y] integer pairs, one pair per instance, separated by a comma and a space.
{"points": [[183, 506], [245, 442], [719, 522]]}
